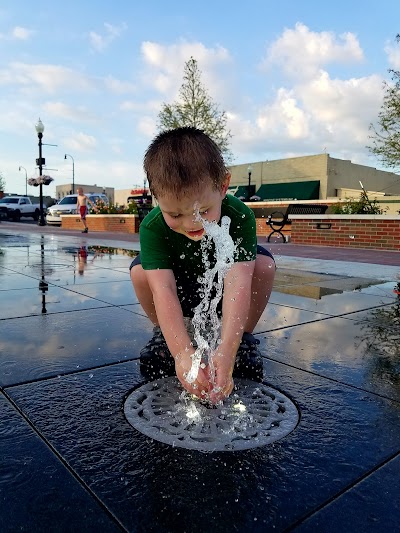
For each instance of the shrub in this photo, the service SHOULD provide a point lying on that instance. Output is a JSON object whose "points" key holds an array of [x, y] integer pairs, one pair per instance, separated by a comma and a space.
{"points": [[113, 209], [362, 206]]}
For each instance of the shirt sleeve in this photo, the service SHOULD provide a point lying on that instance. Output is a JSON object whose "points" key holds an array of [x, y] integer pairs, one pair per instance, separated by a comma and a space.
{"points": [[242, 229], [154, 243]]}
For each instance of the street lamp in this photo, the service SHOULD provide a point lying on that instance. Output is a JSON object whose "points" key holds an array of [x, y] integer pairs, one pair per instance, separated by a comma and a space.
{"points": [[26, 180], [249, 170], [73, 172], [40, 162]]}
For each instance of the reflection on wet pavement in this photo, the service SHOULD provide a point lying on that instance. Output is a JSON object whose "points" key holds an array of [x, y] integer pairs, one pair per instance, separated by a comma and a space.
{"points": [[71, 331]]}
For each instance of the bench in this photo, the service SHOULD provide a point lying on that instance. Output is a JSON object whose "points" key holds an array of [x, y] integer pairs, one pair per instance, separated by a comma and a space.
{"points": [[277, 220]]}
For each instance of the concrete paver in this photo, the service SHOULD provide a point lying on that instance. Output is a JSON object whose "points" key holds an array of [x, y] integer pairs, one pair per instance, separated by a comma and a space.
{"points": [[70, 335]]}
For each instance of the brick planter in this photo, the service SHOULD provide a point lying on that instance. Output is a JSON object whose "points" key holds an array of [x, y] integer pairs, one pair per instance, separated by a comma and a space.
{"points": [[351, 231], [114, 223]]}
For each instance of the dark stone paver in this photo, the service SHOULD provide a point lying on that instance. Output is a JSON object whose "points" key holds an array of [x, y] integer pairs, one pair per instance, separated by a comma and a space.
{"points": [[37, 491], [75, 464], [343, 434]]}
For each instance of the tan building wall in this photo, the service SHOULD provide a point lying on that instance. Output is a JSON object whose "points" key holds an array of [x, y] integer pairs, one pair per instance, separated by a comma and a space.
{"points": [[345, 174], [389, 204], [121, 196], [64, 190], [332, 174]]}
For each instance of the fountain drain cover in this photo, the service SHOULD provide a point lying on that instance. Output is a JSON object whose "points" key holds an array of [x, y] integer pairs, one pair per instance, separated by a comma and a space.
{"points": [[254, 415]]}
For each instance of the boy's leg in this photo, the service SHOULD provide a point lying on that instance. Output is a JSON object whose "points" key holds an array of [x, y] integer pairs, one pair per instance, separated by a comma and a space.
{"points": [[155, 358], [83, 211], [261, 287], [249, 363], [142, 290]]}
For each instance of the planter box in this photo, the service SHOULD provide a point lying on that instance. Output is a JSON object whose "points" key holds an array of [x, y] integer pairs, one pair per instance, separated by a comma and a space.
{"points": [[351, 231], [113, 223]]}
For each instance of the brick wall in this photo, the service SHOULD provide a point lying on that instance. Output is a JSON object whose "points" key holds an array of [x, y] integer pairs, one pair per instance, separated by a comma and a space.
{"points": [[115, 223], [356, 231]]}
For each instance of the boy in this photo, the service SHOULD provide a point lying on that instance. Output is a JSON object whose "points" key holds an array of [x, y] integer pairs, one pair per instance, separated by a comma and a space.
{"points": [[187, 176], [81, 207]]}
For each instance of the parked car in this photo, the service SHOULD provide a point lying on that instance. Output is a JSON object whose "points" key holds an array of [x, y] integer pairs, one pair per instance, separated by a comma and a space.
{"points": [[67, 206], [19, 206]]}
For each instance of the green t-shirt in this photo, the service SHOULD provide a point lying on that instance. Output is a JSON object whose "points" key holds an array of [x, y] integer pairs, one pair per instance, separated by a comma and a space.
{"points": [[163, 248]]}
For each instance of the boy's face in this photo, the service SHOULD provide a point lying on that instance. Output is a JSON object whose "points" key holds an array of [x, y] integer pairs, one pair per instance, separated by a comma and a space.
{"points": [[181, 213]]}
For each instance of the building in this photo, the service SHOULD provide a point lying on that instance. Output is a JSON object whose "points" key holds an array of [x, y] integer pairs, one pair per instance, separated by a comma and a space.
{"points": [[314, 177], [64, 190]]}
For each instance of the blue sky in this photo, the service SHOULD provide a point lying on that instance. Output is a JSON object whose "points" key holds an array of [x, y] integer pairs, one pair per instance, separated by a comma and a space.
{"points": [[295, 78]]}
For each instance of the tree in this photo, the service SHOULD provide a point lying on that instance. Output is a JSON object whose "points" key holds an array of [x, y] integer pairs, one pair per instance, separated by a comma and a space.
{"points": [[2, 182], [196, 109], [386, 135]]}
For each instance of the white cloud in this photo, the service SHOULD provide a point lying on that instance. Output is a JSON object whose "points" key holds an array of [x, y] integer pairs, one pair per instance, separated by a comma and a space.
{"points": [[147, 126], [315, 112], [59, 109], [81, 142], [393, 53], [164, 66], [301, 53], [47, 78], [118, 86], [100, 42], [152, 106], [17, 33], [111, 173], [284, 117], [22, 33]]}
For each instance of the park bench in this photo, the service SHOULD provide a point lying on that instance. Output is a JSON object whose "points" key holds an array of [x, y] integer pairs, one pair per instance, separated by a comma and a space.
{"points": [[277, 220]]}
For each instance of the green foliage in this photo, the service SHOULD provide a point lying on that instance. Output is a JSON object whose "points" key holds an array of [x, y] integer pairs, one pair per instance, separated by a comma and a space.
{"points": [[112, 209], [108, 250], [362, 206], [196, 109], [2, 182], [386, 135]]}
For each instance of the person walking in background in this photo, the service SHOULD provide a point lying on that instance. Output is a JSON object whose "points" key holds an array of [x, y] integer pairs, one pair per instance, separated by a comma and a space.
{"points": [[81, 207]]}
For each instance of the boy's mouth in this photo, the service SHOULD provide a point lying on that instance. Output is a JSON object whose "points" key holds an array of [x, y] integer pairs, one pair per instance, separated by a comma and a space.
{"points": [[196, 233]]}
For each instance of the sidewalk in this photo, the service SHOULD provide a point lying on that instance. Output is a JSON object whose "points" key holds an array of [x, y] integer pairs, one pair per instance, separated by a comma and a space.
{"points": [[70, 334]]}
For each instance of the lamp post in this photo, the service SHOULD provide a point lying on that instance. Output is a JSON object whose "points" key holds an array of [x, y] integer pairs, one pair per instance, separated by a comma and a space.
{"points": [[249, 170], [26, 180], [40, 162], [144, 195], [73, 172]]}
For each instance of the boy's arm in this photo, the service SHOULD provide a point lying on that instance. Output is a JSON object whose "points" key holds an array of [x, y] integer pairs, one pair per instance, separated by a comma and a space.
{"points": [[235, 311], [170, 318], [90, 202]]}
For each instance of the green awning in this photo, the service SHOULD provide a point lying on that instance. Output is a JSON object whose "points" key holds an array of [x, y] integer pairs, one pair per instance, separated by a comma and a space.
{"points": [[242, 190], [295, 190]]}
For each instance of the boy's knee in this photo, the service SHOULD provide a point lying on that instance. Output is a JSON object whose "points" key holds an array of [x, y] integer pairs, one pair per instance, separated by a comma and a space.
{"points": [[137, 274], [265, 266]]}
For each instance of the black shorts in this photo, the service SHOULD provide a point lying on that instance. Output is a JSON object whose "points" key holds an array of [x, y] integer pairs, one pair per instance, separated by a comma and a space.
{"points": [[189, 289]]}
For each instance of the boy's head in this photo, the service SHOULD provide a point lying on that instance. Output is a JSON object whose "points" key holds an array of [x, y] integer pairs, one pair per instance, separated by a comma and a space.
{"points": [[182, 160], [80, 190]]}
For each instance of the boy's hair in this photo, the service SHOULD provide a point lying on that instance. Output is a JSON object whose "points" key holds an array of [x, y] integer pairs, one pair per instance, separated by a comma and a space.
{"points": [[182, 159]]}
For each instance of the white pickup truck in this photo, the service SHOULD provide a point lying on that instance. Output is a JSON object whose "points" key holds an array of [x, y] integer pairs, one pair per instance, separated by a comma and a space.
{"points": [[19, 206]]}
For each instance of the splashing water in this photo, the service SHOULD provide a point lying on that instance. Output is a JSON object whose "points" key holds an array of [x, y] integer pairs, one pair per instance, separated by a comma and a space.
{"points": [[206, 323]]}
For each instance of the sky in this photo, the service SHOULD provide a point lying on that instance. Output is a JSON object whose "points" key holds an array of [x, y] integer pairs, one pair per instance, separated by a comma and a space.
{"points": [[294, 78]]}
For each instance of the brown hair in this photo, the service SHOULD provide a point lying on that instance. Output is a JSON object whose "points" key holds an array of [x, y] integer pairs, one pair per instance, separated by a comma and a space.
{"points": [[182, 159]]}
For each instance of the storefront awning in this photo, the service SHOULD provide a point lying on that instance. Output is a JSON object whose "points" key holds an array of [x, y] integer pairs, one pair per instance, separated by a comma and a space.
{"points": [[296, 190], [239, 190]]}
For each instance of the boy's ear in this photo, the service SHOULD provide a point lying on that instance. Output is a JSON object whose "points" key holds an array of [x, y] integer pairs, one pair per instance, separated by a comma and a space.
{"points": [[226, 183]]}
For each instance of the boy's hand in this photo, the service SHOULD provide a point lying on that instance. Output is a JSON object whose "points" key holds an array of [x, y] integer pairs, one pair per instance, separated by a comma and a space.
{"points": [[222, 364], [199, 387]]}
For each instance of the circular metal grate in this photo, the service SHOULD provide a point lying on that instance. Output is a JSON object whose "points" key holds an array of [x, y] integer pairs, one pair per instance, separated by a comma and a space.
{"points": [[254, 415]]}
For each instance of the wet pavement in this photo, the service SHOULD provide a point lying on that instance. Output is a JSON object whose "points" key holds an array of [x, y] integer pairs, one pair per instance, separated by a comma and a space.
{"points": [[70, 334]]}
